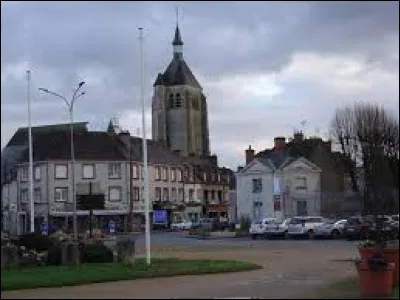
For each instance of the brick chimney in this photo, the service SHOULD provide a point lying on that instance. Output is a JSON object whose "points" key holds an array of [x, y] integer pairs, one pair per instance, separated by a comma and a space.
{"points": [[279, 142], [249, 154]]}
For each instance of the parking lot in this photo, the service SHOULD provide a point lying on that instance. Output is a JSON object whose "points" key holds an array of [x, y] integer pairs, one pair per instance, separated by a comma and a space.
{"points": [[292, 269]]}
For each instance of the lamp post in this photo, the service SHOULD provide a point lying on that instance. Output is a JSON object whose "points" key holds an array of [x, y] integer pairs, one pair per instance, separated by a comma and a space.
{"points": [[145, 170], [70, 105]]}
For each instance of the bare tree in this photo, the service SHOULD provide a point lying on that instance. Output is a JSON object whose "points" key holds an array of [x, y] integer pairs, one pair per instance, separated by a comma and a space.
{"points": [[343, 132], [368, 132]]}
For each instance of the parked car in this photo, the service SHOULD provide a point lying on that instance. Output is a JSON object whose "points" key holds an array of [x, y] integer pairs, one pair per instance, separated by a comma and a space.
{"points": [[258, 228], [330, 229], [304, 226], [182, 225], [358, 227], [278, 228]]}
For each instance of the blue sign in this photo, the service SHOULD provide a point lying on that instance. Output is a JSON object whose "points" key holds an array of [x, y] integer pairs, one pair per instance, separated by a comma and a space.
{"points": [[111, 227], [44, 228], [160, 216]]}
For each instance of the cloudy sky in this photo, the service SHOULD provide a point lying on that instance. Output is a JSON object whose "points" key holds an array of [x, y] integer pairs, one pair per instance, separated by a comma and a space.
{"points": [[264, 66]]}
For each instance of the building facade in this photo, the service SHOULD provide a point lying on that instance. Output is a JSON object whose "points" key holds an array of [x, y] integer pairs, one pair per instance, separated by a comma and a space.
{"points": [[277, 185]]}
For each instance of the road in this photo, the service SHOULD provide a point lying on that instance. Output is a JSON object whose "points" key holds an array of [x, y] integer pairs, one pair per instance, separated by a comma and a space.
{"points": [[292, 269]]}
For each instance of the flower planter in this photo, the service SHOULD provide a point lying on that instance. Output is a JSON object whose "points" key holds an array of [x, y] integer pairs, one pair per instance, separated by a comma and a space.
{"points": [[391, 254], [374, 283]]}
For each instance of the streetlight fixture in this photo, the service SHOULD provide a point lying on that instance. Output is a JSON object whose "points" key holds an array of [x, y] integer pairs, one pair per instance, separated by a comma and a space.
{"points": [[70, 105]]}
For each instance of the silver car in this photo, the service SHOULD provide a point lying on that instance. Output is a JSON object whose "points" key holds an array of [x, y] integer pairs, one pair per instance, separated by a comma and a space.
{"points": [[330, 229]]}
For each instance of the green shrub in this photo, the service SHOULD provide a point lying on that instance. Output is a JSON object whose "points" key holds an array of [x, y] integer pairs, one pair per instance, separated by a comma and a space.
{"points": [[54, 256], [96, 253], [34, 241], [245, 222]]}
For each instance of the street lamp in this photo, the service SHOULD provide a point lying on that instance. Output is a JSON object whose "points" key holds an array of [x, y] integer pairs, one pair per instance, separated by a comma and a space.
{"points": [[71, 117]]}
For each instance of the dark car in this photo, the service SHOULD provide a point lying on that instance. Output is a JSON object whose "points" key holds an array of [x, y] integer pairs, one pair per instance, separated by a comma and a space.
{"points": [[358, 227]]}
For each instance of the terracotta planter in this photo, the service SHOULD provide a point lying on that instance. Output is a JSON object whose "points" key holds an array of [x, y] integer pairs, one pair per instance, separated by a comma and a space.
{"points": [[391, 254], [374, 284]]}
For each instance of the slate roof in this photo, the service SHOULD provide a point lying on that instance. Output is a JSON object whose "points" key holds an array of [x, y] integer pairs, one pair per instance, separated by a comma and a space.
{"points": [[177, 38], [20, 137], [177, 73], [87, 146]]}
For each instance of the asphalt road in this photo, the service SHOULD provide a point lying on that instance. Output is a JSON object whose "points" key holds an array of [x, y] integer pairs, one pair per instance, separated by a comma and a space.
{"points": [[182, 239]]}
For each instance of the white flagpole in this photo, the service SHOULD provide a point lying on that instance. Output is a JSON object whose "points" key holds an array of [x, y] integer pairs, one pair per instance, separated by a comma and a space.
{"points": [[145, 170], [31, 200]]}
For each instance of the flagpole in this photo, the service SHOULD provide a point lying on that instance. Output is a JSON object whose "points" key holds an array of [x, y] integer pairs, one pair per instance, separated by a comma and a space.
{"points": [[31, 200], [145, 169]]}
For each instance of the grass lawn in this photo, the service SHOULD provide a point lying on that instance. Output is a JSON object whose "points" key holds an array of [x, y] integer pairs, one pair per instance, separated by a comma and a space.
{"points": [[346, 289], [56, 276]]}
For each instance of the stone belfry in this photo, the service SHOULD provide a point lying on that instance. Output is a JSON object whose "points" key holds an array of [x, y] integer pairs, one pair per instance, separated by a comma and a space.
{"points": [[179, 107]]}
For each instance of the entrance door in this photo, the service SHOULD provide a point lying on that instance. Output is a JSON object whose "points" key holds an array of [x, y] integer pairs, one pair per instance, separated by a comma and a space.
{"points": [[302, 208]]}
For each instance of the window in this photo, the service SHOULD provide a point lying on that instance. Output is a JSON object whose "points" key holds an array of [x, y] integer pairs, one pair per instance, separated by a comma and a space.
{"points": [[61, 171], [173, 194], [205, 195], [257, 185], [191, 193], [136, 194], [180, 195], [173, 174], [142, 193], [37, 196], [171, 100], [219, 196], [114, 171], [213, 177], [165, 194], [301, 183], [179, 175], [114, 193], [219, 177], [165, 173], [191, 175], [178, 100], [135, 172], [212, 195], [158, 173], [24, 195], [61, 194], [24, 174], [88, 171], [205, 176], [158, 193], [37, 173]]}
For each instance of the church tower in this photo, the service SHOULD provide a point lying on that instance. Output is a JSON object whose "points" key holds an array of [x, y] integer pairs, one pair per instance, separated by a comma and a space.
{"points": [[179, 107]]}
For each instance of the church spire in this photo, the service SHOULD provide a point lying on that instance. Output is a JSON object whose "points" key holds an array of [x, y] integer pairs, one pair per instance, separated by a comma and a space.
{"points": [[177, 42]]}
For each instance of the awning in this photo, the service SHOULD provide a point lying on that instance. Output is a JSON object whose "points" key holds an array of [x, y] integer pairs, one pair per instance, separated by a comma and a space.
{"points": [[216, 208], [86, 213]]}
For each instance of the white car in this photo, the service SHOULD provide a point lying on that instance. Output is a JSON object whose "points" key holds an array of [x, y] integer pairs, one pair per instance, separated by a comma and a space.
{"points": [[331, 228], [304, 226], [258, 228], [182, 225], [278, 228]]}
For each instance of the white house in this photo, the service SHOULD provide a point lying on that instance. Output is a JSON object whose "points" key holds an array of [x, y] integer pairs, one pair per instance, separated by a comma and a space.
{"points": [[277, 185]]}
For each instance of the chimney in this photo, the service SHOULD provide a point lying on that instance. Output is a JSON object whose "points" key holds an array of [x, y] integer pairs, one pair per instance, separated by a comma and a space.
{"points": [[213, 159], [249, 154], [279, 142], [298, 136]]}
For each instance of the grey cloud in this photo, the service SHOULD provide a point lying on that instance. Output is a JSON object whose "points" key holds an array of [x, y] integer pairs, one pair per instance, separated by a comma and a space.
{"points": [[66, 39]]}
